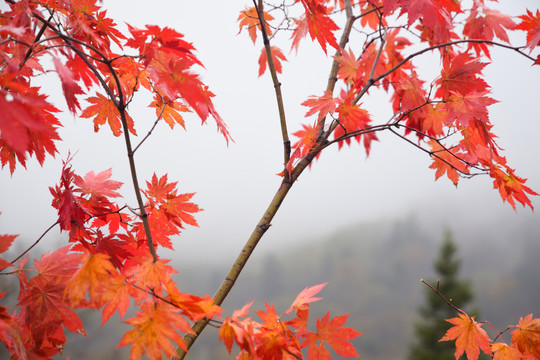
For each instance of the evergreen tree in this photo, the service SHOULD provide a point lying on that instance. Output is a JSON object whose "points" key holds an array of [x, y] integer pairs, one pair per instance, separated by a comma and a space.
{"points": [[433, 313]]}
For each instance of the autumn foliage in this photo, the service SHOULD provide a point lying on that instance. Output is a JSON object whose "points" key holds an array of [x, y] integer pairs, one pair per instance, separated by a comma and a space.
{"points": [[111, 261]]}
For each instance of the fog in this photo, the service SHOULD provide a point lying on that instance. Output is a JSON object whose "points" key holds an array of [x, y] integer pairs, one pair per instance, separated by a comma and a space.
{"points": [[235, 183]]}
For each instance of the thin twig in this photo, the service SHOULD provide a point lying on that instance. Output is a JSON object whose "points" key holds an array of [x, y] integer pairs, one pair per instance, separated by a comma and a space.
{"points": [[34, 244]]}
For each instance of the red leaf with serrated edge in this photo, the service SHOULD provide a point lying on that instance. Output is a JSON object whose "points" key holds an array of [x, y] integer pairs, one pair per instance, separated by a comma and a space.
{"points": [[10, 334], [502, 351], [307, 138], [300, 32], [330, 331], [69, 86], [306, 297], [531, 24], [249, 18], [491, 24], [195, 307], [277, 56], [27, 125], [98, 185], [348, 66], [511, 187], [469, 336], [103, 110], [463, 109], [320, 25], [324, 105], [169, 206], [6, 241], [447, 161], [526, 336], [460, 74], [43, 298], [151, 274]]}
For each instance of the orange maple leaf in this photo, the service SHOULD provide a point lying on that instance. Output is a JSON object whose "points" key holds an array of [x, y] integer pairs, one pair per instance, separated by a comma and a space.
{"points": [[169, 111], [526, 336], [151, 274], [447, 161], [93, 276], [469, 336], [105, 111], [504, 352], [250, 19], [156, 325]]}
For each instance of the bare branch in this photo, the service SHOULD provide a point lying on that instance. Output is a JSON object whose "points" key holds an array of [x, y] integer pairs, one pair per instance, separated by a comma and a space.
{"points": [[34, 244], [277, 89]]}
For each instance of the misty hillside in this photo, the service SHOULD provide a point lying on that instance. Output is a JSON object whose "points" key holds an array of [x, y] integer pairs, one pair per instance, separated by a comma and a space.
{"points": [[374, 273], [373, 270]]}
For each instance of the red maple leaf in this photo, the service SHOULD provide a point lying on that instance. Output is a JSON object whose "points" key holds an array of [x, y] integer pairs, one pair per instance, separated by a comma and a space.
{"points": [[320, 25], [491, 24], [98, 185], [324, 105], [277, 56], [511, 187], [43, 298], [460, 74], [469, 336], [331, 332], [463, 109], [306, 297], [69, 86], [531, 24]]}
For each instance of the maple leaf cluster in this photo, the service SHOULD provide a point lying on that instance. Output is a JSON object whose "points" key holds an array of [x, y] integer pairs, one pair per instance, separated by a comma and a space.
{"points": [[449, 117], [470, 338], [276, 337], [83, 44], [106, 265]]}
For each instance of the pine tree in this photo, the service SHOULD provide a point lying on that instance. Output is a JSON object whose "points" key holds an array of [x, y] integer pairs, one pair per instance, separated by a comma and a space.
{"points": [[434, 312]]}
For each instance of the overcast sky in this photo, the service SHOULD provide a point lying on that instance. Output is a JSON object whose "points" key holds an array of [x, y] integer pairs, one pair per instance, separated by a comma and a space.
{"points": [[234, 184]]}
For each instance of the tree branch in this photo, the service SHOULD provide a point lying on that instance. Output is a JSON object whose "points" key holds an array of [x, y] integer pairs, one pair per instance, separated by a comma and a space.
{"points": [[277, 89], [34, 244]]}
